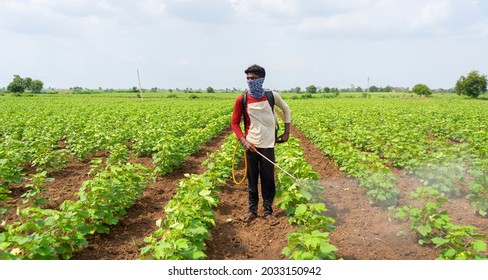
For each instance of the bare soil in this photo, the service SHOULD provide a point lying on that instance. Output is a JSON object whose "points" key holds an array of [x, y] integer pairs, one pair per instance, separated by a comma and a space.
{"points": [[234, 239]]}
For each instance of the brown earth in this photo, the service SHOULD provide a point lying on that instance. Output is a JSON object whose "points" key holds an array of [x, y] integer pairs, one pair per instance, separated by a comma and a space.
{"points": [[67, 182], [362, 231], [233, 239], [457, 207]]}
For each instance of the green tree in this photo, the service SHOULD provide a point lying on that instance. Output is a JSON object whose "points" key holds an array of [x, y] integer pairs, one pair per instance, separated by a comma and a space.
{"points": [[311, 89], [210, 90], [18, 85], [334, 91], [296, 89], [36, 86], [326, 89], [76, 89], [422, 89], [373, 89], [28, 82], [473, 85]]}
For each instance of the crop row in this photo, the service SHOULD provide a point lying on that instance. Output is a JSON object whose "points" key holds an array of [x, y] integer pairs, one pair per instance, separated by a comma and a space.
{"points": [[52, 234], [302, 203], [438, 142], [190, 214], [43, 135]]}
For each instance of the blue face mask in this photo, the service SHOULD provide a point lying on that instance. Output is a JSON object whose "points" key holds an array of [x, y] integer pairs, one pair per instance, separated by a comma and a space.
{"points": [[256, 88]]}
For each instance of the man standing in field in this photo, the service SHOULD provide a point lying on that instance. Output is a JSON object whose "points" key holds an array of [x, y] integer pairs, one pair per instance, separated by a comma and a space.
{"points": [[255, 106]]}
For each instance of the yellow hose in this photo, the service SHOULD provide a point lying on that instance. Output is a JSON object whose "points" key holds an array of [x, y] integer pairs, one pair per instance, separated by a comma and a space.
{"points": [[233, 165]]}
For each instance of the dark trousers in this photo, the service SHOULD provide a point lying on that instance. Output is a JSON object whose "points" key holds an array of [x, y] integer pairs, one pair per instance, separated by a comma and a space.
{"points": [[258, 167]]}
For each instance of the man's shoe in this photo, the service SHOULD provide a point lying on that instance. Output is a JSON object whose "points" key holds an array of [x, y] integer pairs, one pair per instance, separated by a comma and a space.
{"points": [[272, 219], [249, 217]]}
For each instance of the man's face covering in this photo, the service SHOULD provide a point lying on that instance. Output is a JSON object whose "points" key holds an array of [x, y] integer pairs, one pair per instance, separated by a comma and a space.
{"points": [[256, 87]]}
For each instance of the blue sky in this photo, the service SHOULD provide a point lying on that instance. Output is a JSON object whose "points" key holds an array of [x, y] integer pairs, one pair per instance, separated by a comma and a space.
{"points": [[190, 43]]}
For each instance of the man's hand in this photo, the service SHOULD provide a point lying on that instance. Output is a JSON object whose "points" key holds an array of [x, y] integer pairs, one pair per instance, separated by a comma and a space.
{"points": [[250, 146], [247, 145], [285, 136]]}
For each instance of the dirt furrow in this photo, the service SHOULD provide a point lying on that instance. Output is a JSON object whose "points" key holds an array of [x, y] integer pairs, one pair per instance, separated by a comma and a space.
{"points": [[362, 231], [457, 207], [233, 239], [67, 182]]}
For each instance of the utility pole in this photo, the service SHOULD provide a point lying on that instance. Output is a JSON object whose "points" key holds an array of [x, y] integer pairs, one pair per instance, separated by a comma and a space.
{"points": [[140, 88], [367, 89]]}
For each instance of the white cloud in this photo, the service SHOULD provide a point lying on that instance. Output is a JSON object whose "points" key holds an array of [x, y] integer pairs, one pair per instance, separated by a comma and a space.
{"points": [[377, 18], [154, 6], [432, 13], [202, 12], [188, 41]]}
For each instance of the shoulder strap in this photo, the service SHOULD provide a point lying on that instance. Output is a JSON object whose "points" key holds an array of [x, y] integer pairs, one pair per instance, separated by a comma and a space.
{"points": [[270, 97], [244, 106]]}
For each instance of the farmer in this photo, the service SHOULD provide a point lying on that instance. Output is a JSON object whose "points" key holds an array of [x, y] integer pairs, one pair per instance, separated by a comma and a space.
{"points": [[259, 135]]}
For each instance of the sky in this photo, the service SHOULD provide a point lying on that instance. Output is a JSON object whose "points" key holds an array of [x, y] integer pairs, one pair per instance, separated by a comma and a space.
{"points": [[196, 44]]}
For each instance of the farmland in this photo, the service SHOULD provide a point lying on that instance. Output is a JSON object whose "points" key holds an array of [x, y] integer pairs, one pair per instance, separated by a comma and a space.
{"points": [[116, 177]]}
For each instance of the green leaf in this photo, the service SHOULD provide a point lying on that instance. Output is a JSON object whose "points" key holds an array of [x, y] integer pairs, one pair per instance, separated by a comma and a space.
{"points": [[312, 241], [210, 199], [450, 253], [112, 221], [84, 229], [198, 255], [479, 245], [182, 243], [482, 212], [307, 256], [327, 249], [198, 230], [178, 226], [300, 210], [102, 229], [44, 251], [145, 249], [286, 251], [424, 230], [438, 241], [204, 193]]}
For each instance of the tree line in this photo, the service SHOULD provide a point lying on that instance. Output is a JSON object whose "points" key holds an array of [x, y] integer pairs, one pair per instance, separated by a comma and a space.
{"points": [[471, 85]]}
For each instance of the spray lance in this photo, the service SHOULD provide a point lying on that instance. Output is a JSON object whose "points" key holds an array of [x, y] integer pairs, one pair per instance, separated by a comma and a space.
{"points": [[286, 172], [245, 168]]}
